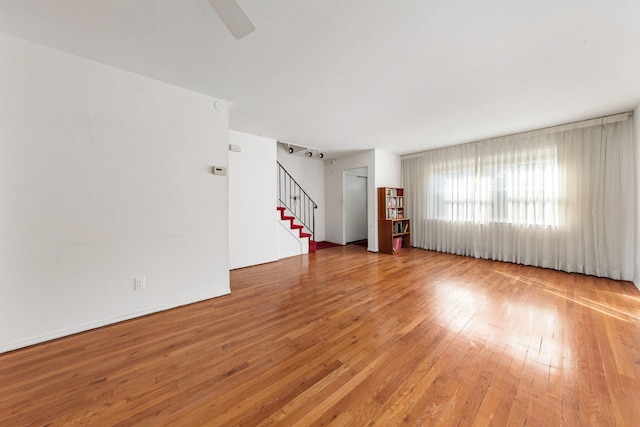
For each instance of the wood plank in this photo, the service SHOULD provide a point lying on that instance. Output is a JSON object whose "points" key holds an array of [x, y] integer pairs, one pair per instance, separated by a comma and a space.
{"points": [[348, 337]]}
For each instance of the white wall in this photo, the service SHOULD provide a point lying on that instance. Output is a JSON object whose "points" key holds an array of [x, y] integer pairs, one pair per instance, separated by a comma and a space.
{"points": [[388, 174], [309, 173], [289, 241], [252, 200], [334, 196], [104, 176], [388, 170], [383, 170], [636, 136]]}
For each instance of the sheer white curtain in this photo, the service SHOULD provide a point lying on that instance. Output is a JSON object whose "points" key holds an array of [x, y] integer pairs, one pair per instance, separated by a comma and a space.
{"points": [[559, 198]]}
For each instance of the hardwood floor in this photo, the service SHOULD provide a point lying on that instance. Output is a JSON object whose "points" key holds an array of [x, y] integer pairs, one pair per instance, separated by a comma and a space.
{"points": [[348, 337]]}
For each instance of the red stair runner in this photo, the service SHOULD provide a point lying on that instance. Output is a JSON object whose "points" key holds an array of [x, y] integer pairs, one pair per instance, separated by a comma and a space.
{"points": [[294, 226]]}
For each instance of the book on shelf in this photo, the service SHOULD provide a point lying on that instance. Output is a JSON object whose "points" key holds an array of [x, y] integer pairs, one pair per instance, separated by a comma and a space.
{"points": [[397, 243], [406, 227]]}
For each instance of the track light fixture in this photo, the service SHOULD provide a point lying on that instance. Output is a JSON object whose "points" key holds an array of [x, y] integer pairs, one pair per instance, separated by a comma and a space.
{"points": [[298, 150]]}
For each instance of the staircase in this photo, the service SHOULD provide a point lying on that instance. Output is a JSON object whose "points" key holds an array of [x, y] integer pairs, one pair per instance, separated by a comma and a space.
{"points": [[294, 226], [296, 206]]}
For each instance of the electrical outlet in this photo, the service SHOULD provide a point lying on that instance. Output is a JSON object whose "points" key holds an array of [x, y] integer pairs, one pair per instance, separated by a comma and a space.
{"points": [[138, 283], [219, 170]]}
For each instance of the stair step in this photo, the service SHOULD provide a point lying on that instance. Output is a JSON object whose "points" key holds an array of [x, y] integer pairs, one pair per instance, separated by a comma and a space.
{"points": [[294, 226]]}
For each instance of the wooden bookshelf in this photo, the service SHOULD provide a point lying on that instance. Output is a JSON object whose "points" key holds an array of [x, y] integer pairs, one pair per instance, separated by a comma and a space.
{"points": [[394, 230]]}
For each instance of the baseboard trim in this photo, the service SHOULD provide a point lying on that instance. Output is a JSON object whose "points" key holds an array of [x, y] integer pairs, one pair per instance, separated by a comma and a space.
{"points": [[38, 339]]}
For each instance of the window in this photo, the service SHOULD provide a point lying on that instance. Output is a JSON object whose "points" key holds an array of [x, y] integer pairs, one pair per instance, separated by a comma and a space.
{"points": [[519, 189]]}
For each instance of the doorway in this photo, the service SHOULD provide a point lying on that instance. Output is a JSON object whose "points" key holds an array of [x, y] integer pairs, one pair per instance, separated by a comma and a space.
{"points": [[355, 205]]}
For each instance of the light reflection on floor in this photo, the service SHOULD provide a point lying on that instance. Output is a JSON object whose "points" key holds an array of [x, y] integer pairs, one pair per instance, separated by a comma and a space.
{"points": [[529, 335], [586, 302]]}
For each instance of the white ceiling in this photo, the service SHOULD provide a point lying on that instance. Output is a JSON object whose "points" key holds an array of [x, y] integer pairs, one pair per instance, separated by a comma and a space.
{"points": [[345, 75]]}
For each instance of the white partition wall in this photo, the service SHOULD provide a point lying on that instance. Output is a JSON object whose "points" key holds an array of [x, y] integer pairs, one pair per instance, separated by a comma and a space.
{"points": [[105, 177], [334, 196], [252, 200], [383, 170]]}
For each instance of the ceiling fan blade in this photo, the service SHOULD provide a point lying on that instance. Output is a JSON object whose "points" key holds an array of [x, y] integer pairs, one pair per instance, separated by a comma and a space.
{"points": [[233, 17]]}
